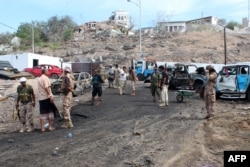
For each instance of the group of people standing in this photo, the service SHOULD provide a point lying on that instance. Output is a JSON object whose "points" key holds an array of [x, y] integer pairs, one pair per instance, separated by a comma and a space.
{"points": [[119, 76], [159, 83], [26, 101]]}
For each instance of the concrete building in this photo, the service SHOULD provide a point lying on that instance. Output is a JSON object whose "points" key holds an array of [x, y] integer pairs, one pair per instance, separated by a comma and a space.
{"points": [[121, 18], [204, 20], [245, 22], [172, 26], [24, 60], [182, 26]]}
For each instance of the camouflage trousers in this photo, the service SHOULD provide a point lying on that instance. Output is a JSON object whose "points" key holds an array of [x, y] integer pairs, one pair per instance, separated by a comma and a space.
{"points": [[26, 113], [67, 105], [210, 103], [133, 84]]}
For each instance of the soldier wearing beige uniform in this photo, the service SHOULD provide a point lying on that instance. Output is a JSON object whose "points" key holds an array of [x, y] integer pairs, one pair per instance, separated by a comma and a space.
{"points": [[210, 94], [67, 88]]}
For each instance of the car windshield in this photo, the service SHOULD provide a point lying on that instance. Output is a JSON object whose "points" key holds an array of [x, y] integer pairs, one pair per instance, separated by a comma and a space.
{"points": [[229, 71]]}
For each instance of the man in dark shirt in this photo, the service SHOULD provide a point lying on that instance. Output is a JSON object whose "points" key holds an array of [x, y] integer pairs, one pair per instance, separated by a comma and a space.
{"points": [[97, 86]]}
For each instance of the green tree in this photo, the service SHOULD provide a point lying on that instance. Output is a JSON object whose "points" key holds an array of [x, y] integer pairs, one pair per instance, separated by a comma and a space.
{"points": [[60, 30], [233, 24], [55, 30], [28, 31]]}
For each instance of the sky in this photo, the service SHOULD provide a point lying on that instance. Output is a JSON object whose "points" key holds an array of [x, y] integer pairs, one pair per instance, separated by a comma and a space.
{"points": [[15, 12]]}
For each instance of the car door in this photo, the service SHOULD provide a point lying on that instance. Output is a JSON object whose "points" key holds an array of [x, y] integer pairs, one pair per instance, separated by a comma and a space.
{"points": [[50, 69], [37, 71], [77, 84], [88, 80], [242, 78], [82, 80], [181, 78], [227, 79]]}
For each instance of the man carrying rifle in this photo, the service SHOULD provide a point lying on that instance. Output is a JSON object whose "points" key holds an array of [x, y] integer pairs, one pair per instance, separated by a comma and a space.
{"points": [[25, 103], [67, 88]]}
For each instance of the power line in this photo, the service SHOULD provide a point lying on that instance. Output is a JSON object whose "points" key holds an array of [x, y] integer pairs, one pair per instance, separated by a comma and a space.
{"points": [[8, 26]]}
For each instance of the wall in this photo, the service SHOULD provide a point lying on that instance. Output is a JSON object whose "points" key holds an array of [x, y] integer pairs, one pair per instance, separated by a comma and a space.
{"points": [[173, 26], [17, 61], [24, 60]]}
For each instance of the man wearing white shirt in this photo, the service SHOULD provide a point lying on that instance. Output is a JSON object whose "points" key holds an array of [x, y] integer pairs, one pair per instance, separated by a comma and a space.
{"points": [[122, 79], [117, 75], [111, 76]]}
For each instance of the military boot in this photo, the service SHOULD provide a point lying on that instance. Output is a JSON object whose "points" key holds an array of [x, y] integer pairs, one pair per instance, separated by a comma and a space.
{"points": [[70, 125], [67, 124]]}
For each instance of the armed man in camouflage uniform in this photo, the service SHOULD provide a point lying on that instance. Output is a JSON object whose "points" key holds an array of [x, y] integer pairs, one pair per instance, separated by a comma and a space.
{"points": [[67, 88], [155, 84], [26, 97], [210, 94]]}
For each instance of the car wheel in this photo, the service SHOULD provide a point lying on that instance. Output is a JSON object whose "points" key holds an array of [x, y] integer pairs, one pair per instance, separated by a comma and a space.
{"points": [[140, 77], [54, 76]]}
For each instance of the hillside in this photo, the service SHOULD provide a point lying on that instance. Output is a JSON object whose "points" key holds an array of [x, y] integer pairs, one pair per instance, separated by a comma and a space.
{"points": [[200, 46]]}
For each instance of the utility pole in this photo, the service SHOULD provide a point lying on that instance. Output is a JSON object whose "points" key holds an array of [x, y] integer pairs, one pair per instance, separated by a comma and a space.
{"points": [[139, 6], [33, 48], [225, 46], [248, 14]]}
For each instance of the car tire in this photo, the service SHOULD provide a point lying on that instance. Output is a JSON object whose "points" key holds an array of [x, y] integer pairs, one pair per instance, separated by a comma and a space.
{"points": [[140, 77]]}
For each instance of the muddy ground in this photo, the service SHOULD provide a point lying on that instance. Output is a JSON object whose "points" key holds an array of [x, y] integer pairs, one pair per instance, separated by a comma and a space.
{"points": [[129, 131]]}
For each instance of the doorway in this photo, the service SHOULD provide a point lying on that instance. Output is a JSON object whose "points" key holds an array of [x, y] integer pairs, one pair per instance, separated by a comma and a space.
{"points": [[35, 62]]}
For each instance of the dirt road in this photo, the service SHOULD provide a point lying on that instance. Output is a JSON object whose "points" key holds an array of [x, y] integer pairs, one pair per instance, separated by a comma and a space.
{"points": [[132, 131]]}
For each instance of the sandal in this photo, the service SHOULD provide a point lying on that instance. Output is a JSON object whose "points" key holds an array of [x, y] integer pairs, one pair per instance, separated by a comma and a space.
{"points": [[51, 128]]}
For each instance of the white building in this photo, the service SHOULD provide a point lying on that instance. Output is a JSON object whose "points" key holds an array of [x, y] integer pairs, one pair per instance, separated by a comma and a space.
{"points": [[182, 26], [121, 18], [204, 20], [24, 60], [172, 26]]}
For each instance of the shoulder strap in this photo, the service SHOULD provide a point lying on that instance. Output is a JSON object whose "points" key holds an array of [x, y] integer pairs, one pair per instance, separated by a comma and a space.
{"points": [[19, 88]]}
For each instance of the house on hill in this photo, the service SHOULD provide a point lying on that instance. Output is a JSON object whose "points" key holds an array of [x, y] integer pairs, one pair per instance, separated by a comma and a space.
{"points": [[182, 26], [172, 26], [120, 18]]}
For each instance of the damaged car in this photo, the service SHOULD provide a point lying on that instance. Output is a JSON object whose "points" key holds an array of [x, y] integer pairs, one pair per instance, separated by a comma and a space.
{"points": [[82, 81], [233, 81], [7, 71]]}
